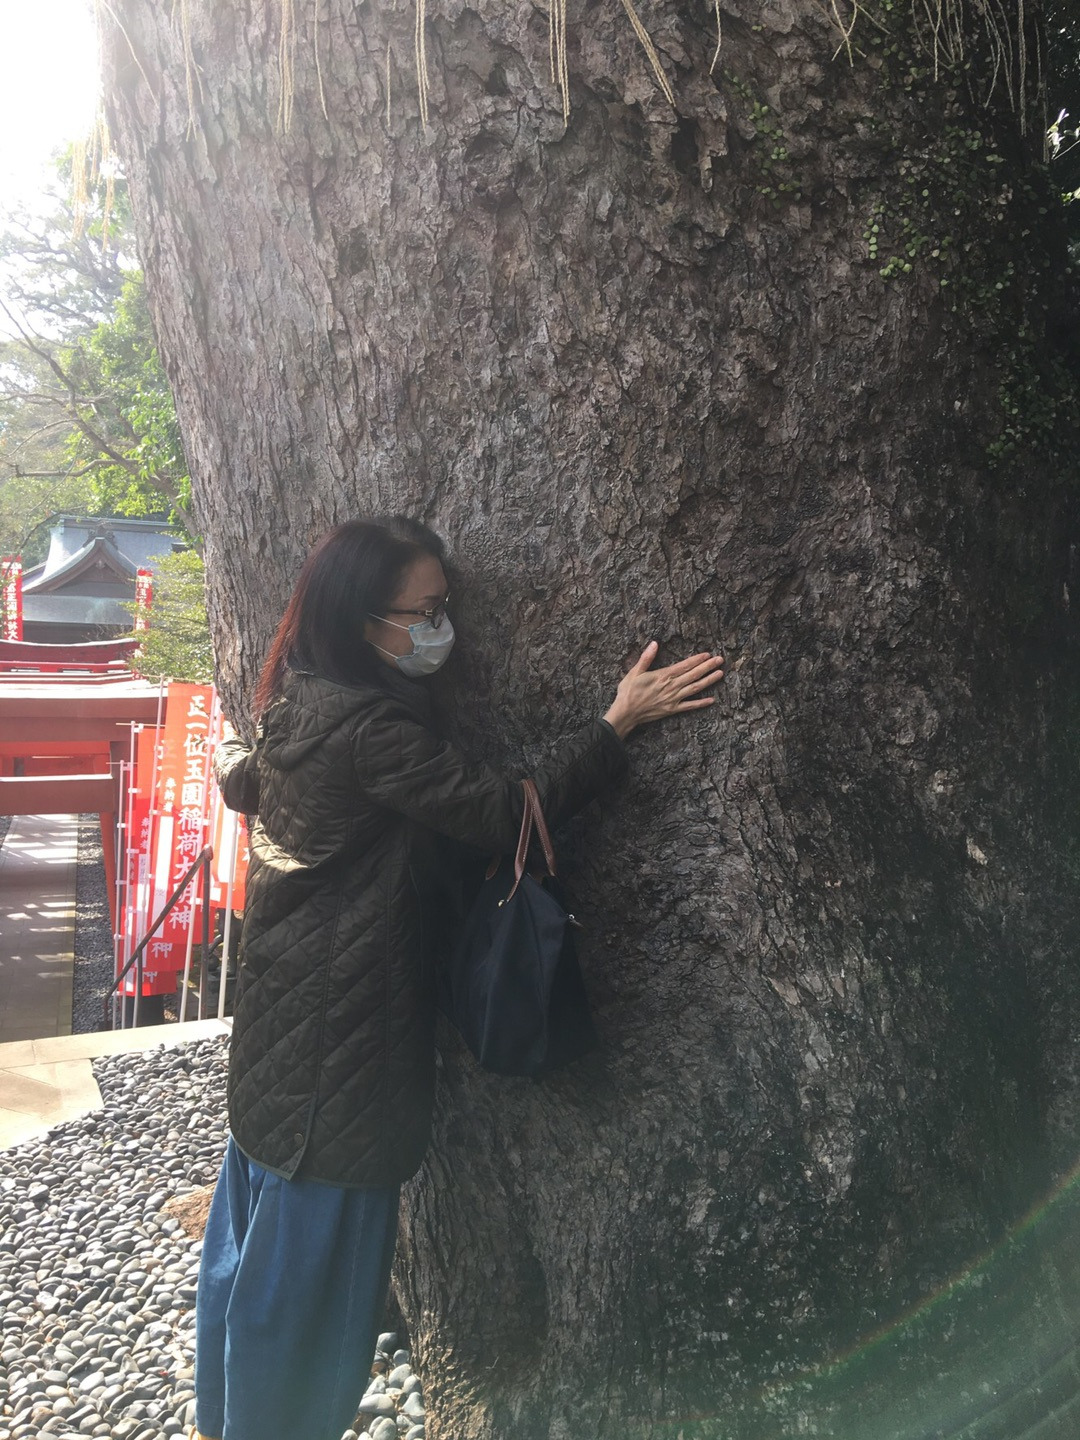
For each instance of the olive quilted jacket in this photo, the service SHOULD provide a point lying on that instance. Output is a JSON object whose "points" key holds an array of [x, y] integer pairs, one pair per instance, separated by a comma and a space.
{"points": [[331, 1073]]}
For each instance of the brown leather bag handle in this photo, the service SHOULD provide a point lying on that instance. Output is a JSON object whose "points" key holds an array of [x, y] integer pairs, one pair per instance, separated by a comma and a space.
{"points": [[522, 850], [532, 817], [533, 796], [524, 838]]}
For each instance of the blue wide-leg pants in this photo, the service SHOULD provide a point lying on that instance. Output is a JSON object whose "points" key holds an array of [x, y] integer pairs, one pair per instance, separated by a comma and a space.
{"points": [[292, 1282]]}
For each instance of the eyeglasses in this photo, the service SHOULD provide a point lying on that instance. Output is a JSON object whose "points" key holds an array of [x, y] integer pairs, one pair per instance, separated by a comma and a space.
{"points": [[436, 616]]}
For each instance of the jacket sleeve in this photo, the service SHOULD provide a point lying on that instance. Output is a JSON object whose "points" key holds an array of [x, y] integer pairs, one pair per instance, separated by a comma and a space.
{"points": [[404, 766], [236, 771]]}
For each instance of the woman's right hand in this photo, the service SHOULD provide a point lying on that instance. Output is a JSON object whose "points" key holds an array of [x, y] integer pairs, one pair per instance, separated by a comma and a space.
{"points": [[644, 694]]}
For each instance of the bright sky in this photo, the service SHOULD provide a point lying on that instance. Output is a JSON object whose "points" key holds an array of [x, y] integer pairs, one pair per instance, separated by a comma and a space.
{"points": [[48, 89]]}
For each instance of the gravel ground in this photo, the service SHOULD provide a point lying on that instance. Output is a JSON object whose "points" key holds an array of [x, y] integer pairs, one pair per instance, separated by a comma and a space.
{"points": [[97, 1285], [5, 826], [93, 931]]}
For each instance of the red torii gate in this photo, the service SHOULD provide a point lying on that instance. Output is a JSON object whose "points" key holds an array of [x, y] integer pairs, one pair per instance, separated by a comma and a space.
{"points": [[63, 734]]}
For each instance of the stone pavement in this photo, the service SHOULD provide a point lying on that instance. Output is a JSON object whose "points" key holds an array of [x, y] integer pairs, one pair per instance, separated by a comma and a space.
{"points": [[37, 926], [46, 1081]]}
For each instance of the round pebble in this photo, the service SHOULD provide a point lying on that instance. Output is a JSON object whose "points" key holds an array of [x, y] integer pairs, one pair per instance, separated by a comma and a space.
{"points": [[377, 1405]]}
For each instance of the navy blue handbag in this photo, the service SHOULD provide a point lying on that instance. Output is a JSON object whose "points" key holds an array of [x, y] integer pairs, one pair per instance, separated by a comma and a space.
{"points": [[515, 987]]}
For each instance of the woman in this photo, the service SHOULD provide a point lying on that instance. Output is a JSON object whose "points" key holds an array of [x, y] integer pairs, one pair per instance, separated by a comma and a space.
{"points": [[331, 1071]]}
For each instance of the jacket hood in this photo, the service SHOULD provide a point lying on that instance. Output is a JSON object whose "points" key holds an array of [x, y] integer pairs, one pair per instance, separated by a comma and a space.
{"points": [[310, 709]]}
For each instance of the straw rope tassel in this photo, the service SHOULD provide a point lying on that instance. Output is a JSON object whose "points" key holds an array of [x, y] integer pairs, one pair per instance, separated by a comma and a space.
{"points": [[422, 83], [318, 62], [650, 50], [719, 38], [564, 68], [941, 23], [286, 70], [189, 68], [108, 168], [560, 72], [79, 197]]}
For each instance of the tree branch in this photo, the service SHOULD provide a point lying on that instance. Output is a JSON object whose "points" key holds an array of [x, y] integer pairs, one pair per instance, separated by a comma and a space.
{"points": [[36, 347], [87, 469]]}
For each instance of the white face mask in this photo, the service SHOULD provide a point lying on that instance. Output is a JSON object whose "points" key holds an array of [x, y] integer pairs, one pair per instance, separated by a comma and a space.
{"points": [[430, 649]]}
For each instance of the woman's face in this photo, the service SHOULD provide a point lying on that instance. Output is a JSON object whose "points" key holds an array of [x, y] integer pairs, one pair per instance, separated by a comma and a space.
{"points": [[423, 587]]}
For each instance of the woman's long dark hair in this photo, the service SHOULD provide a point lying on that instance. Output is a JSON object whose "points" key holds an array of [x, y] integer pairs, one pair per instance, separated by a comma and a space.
{"points": [[352, 573]]}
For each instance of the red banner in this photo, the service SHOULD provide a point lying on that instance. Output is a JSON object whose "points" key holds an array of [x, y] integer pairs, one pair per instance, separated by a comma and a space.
{"points": [[180, 823], [11, 625], [129, 859], [137, 856]]}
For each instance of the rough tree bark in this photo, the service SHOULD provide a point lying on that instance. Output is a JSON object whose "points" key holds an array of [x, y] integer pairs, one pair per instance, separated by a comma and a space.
{"points": [[646, 376]]}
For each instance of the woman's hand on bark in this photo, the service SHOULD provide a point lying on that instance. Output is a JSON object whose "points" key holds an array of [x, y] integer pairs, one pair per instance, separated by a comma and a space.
{"points": [[645, 694]]}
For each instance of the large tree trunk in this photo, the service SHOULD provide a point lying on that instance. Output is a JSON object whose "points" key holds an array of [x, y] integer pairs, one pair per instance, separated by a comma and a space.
{"points": [[646, 376]]}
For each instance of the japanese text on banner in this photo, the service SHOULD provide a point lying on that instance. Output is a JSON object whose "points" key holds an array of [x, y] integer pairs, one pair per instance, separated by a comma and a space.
{"points": [[11, 575], [181, 826]]}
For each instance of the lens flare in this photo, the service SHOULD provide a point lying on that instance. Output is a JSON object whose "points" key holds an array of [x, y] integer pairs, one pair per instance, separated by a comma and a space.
{"points": [[992, 1354]]}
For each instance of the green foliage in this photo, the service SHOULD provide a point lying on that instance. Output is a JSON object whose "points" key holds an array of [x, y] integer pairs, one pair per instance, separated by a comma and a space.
{"points": [[778, 178], [132, 450], [972, 206], [970, 200], [177, 644], [34, 478], [952, 210], [1063, 105], [87, 423], [25, 508]]}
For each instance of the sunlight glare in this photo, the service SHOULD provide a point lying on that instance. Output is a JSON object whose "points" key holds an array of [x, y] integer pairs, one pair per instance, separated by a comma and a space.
{"points": [[48, 90]]}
